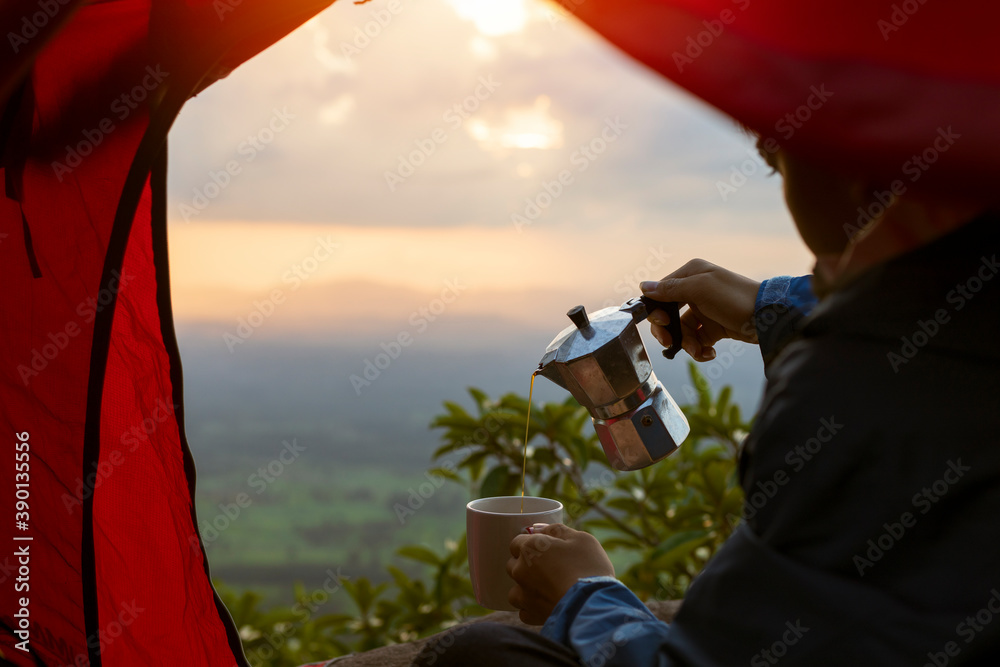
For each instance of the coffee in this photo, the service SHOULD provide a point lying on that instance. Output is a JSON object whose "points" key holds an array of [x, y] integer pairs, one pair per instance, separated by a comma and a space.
{"points": [[527, 423]]}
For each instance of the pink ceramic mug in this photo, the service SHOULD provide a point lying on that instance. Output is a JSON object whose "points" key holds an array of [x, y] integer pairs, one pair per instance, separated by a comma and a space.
{"points": [[491, 524]]}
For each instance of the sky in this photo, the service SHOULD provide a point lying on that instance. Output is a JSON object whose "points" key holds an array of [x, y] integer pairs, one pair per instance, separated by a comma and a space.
{"points": [[496, 162]]}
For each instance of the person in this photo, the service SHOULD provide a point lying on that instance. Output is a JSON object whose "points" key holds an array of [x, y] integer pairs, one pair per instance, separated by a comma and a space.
{"points": [[871, 474]]}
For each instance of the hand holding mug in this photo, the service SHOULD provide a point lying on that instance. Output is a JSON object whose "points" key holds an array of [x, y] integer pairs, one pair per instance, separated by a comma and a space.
{"points": [[491, 524], [546, 564]]}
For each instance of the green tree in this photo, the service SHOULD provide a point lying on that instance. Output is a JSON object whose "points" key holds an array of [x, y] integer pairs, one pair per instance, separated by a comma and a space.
{"points": [[669, 518], [664, 522]]}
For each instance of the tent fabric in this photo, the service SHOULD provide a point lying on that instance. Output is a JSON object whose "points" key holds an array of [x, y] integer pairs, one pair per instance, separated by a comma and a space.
{"points": [[859, 85], [91, 379], [27, 26]]}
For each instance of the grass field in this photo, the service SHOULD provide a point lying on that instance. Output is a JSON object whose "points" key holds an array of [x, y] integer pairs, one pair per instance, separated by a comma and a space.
{"points": [[312, 521], [332, 508]]}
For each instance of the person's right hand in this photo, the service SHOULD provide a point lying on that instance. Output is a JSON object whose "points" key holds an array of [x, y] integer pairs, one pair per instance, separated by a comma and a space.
{"points": [[720, 305]]}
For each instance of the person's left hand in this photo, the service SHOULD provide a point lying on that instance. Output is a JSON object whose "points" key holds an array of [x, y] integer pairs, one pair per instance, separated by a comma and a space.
{"points": [[547, 563]]}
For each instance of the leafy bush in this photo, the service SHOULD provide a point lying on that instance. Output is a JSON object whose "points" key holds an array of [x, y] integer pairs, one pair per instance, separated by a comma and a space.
{"points": [[664, 522]]}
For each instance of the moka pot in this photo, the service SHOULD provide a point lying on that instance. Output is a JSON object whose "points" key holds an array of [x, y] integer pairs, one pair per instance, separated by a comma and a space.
{"points": [[601, 361]]}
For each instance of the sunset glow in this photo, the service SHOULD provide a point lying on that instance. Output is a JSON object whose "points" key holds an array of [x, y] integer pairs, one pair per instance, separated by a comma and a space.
{"points": [[479, 125], [493, 17], [524, 127], [220, 268]]}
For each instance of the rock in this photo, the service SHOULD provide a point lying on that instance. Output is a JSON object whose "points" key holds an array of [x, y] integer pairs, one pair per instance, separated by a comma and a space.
{"points": [[401, 655]]}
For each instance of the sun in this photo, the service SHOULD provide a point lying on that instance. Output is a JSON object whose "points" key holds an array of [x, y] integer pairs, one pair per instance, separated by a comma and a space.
{"points": [[493, 17]]}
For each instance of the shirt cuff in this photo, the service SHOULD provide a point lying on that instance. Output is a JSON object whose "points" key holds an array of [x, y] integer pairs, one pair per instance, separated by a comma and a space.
{"points": [[617, 605], [781, 306], [795, 293]]}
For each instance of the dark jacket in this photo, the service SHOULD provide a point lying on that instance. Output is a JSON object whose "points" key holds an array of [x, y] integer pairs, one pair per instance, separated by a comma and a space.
{"points": [[872, 478]]}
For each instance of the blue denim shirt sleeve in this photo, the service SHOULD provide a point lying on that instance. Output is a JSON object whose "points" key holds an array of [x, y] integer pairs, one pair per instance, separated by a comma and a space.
{"points": [[781, 306], [792, 292], [605, 623]]}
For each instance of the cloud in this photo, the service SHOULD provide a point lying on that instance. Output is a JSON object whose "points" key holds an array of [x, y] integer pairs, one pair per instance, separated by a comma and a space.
{"points": [[338, 111], [357, 118], [521, 127], [333, 62]]}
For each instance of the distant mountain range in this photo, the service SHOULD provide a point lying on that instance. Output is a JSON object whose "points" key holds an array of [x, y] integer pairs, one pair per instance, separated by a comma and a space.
{"points": [[241, 405]]}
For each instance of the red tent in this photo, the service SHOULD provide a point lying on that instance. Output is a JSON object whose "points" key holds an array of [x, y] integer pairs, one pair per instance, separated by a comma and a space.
{"points": [[106, 565], [102, 562], [871, 86]]}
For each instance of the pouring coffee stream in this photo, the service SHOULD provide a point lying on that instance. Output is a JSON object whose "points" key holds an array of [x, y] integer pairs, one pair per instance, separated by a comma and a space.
{"points": [[601, 361], [527, 426]]}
